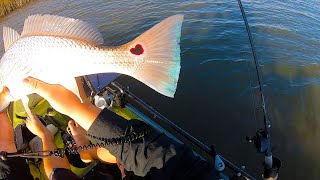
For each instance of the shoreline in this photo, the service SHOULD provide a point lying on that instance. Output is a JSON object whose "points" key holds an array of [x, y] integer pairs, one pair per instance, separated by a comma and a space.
{"points": [[7, 6]]}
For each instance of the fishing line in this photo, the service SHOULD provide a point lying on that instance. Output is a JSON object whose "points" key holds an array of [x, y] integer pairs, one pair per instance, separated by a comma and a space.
{"points": [[262, 139], [252, 95], [267, 123]]}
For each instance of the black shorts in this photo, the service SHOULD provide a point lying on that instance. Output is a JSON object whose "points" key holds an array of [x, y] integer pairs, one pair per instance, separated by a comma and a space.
{"points": [[14, 168], [61, 173]]}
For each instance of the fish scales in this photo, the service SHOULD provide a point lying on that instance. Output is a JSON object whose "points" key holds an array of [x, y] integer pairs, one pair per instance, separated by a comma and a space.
{"points": [[56, 54]]}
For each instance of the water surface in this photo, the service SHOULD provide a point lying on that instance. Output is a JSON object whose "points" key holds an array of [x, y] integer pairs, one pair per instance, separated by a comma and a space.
{"points": [[217, 99]]}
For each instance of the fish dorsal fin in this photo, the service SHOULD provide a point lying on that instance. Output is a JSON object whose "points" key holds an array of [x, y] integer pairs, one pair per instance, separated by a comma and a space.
{"points": [[51, 25], [9, 37]]}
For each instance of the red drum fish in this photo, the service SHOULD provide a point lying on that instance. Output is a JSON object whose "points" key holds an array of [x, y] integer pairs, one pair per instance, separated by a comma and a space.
{"points": [[56, 49]]}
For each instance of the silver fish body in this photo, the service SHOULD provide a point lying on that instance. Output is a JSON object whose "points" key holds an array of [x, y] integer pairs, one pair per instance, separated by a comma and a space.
{"points": [[55, 50], [52, 59]]}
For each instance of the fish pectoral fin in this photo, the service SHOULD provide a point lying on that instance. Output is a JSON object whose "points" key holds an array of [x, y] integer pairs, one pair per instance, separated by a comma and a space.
{"points": [[25, 102], [71, 85], [52, 25], [9, 37]]}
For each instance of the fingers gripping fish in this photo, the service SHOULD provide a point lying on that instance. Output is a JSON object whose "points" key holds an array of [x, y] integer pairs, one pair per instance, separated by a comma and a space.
{"points": [[56, 49]]}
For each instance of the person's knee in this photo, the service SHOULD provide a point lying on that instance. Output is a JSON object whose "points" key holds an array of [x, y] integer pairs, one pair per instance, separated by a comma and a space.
{"points": [[6, 145]]}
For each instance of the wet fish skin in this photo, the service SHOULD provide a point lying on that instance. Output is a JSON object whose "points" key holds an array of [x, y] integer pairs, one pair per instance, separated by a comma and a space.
{"points": [[57, 56]]}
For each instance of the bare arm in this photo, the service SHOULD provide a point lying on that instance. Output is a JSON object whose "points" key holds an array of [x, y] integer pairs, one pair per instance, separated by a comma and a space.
{"points": [[65, 102], [51, 162], [69, 104], [6, 132], [155, 151], [101, 154]]}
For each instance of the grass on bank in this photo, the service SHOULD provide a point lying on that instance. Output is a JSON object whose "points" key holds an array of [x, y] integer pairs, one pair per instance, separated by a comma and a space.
{"points": [[7, 6]]}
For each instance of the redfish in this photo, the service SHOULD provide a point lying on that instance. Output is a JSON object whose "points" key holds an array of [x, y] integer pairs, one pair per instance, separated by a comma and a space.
{"points": [[56, 49]]}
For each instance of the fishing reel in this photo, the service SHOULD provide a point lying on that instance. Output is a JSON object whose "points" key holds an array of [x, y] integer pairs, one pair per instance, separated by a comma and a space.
{"points": [[120, 99], [262, 143], [109, 96]]}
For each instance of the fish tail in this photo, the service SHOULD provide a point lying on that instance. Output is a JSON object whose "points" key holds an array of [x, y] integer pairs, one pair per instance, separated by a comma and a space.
{"points": [[158, 54]]}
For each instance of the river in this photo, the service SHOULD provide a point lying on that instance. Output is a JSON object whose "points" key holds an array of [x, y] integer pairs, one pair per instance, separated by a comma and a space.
{"points": [[218, 98]]}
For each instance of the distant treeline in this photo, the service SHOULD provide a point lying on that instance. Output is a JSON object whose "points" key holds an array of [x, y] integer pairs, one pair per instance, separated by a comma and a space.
{"points": [[7, 6]]}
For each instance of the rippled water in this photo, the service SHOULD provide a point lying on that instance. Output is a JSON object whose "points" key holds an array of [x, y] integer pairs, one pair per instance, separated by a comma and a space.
{"points": [[217, 98]]}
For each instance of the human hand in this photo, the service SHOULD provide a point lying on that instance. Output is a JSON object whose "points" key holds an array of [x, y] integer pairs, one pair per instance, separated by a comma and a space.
{"points": [[60, 98], [36, 127], [64, 101]]}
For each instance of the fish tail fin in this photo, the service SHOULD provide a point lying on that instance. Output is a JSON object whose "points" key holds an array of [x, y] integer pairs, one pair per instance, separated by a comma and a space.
{"points": [[157, 52], [25, 103]]}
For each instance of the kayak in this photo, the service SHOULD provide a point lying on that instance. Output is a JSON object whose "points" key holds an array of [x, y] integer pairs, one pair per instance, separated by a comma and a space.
{"points": [[42, 109], [118, 99]]}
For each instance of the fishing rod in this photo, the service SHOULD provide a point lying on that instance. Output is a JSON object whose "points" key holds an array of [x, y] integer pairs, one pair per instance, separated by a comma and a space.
{"points": [[119, 96], [220, 161], [262, 139]]}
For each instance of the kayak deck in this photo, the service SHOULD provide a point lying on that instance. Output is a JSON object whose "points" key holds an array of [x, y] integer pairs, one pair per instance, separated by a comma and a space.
{"points": [[42, 108]]}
